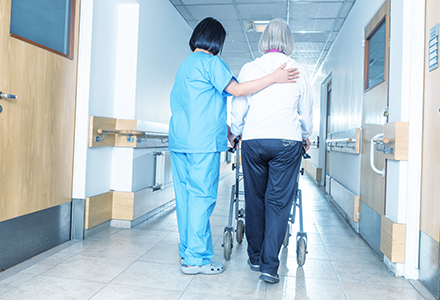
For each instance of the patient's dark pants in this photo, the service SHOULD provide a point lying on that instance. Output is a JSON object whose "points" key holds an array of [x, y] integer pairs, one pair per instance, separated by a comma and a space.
{"points": [[270, 170]]}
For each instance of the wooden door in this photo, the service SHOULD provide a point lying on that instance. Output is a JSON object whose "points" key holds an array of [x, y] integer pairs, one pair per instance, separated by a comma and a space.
{"points": [[375, 102], [36, 129], [430, 194]]}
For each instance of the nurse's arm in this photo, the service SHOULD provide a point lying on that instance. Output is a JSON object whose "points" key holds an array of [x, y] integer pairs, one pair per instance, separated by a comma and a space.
{"points": [[250, 87]]}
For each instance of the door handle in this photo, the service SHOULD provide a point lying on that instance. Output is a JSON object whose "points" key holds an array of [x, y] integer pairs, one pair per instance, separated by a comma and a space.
{"points": [[7, 96], [372, 144]]}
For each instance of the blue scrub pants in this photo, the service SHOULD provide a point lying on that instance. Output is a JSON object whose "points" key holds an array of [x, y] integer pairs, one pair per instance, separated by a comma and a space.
{"points": [[196, 178], [270, 170]]}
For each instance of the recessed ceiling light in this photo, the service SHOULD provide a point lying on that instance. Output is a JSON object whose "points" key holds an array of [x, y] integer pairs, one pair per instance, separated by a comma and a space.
{"points": [[256, 26]]}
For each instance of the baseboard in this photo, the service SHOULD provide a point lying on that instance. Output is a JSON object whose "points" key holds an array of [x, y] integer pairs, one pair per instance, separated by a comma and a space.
{"points": [[29, 235]]}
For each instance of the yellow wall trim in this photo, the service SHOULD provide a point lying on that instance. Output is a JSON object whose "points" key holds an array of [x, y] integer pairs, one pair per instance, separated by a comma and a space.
{"points": [[312, 170], [124, 205], [98, 210], [392, 240]]}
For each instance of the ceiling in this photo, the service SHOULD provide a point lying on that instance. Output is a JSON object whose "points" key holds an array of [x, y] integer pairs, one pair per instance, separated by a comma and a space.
{"points": [[315, 24]]}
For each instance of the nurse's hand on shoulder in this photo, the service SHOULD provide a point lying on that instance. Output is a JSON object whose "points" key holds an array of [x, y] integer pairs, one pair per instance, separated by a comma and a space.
{"points": [[282, 75]]}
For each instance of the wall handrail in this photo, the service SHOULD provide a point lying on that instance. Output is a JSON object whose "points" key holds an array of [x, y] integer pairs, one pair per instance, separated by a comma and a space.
{"points": [[103, 132], [381, 139], [341, 143], [107, 131], [347, 141], [144, 135]]}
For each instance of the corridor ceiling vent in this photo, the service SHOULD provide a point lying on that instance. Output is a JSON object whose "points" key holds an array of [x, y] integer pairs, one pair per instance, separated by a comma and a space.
{"points": [[314, 25]]}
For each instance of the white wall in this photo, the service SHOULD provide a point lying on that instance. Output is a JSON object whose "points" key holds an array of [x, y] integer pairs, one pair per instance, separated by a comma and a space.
{"points": [[162, 47], [345, 61], [130, 51]]}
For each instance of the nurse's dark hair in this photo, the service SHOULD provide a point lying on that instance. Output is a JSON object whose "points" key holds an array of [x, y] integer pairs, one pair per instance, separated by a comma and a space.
{"points": [[208, 35]]}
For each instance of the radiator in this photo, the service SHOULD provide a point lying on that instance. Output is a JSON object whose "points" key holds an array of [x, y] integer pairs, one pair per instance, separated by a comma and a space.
{"points": [[164, 177]]}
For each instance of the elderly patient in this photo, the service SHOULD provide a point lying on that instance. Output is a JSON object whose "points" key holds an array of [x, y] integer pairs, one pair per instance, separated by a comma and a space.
{"points": [[273, 123]]}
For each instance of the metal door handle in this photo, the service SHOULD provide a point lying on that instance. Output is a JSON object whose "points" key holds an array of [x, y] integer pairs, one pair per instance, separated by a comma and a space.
{"points": [[7, 96], [372, 143]]}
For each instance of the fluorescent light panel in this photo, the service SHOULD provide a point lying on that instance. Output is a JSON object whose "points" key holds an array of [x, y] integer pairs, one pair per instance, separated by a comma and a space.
{"points": [[257, 26]]}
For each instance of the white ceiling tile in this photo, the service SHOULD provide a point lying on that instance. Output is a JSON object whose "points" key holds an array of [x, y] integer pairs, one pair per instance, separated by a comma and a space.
{"points": [[231, 25], [259, 1], [339, 24], [236, 46], [324, 24], [314, 55], [236, 36], [329, 10], [262, 11], [236, 54], [257, 54], [346, 9], [254, 37], [220, 11], [304, 11], [309, 46], [310, 37], [181, 9], [302, 25], [190, 2]]}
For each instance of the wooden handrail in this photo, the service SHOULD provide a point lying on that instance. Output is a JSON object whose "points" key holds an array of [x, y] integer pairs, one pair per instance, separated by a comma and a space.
{"points": [[107, 131], [384, 140]]}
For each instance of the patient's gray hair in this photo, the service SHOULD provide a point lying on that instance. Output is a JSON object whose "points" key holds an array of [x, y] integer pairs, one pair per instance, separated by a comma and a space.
{"points": [[277, 35]]}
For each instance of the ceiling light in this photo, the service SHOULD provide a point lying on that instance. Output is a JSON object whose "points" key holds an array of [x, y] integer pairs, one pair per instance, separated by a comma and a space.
{"points": [[260, 25], [255, 26]]}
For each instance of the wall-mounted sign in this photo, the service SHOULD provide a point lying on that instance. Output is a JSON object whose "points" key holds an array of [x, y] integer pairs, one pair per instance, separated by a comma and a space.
{"points": [[433, 48]]}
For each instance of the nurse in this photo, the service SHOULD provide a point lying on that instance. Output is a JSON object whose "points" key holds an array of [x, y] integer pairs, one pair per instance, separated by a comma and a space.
{"points": [[198, 133]]}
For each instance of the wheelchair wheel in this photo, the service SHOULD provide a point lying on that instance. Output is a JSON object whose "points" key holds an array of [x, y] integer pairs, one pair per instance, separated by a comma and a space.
{"points": [[301, 250], [240, 231], [227, 244], [286, 236]]}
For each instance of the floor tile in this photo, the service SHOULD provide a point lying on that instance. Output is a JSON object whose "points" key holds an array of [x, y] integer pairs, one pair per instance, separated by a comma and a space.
{"points": [[375, 292], [319, 269], [94, 268], [14, 281], [244, 285], [305, 288], [153, 275], [200, 296], [47, 263], [379, 275], [53, 288], [125, 292]]}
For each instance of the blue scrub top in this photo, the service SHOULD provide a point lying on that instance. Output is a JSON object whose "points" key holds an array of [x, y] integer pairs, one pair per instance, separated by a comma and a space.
{"points": [[198, 105]]}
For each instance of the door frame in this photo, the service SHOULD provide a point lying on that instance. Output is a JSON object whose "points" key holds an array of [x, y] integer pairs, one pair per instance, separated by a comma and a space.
{"points": [[323, 126]]}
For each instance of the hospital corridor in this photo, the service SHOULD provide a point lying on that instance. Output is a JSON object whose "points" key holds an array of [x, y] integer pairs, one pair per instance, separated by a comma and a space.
{"points": [[149, 149]]}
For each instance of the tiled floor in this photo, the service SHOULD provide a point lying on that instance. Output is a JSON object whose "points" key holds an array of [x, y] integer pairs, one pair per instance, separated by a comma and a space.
{"points": [[143, 263]]}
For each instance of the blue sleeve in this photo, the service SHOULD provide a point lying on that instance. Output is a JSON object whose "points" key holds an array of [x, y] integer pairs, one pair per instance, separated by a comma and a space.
{"points": [[220, 75]]}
